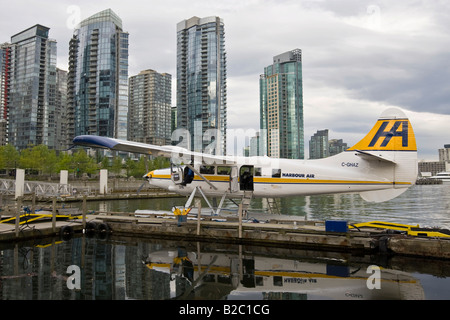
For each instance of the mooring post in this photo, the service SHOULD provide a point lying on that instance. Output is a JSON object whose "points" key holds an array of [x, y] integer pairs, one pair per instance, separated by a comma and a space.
{"points": [[84, 212], [20, 183], [63, 177], [240, 220], [16, 259], [54, 215], [241, 266], [199, 256], [18, 211], [199, 215], [103, 181], [33, 203]]}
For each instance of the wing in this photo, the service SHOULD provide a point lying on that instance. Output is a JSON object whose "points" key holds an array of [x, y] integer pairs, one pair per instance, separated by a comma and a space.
{"points": [[177, 154]]}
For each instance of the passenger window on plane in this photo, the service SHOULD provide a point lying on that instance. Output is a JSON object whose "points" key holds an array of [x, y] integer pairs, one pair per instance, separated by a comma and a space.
{"points": [[276, 173], [258, 172], [207, 169], [224, 171], [278, 280]]}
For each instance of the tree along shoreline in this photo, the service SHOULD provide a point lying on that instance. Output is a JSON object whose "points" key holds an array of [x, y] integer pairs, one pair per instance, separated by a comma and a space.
{"points": [[40, 163]]}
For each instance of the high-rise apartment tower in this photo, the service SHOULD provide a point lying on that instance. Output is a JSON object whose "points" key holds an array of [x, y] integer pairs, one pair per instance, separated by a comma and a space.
{"points": [[281, 106], [98, 77], [150, 109], [61, 103], [5, 74], [201, 83], [32, 109], [318, 145]]}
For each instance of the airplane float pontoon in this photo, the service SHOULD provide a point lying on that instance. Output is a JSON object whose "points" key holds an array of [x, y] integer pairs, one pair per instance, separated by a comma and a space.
{"points": [[379, 167]]}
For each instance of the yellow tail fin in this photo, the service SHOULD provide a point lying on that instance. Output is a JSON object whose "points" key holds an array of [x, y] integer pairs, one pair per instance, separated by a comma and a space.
{"points": [[392, 132]]}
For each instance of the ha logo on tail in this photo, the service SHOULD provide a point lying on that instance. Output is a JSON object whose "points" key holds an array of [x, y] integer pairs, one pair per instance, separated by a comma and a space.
{"points": [[392, 132]]}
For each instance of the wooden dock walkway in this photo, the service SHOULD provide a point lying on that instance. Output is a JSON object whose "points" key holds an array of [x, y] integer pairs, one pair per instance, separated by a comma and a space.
{"points": [[276, 233], [29, 231], [103, 197]]}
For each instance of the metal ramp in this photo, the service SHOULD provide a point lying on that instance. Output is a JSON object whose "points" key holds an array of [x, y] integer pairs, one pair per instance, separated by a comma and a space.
{"points": [[246, 200], [46, 189], [272, 205], [7, 186]]}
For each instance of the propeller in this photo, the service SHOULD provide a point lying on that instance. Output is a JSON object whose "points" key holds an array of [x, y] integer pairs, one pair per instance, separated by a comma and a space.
{"points": [[146, 179], [196, 281], [140, 188]]}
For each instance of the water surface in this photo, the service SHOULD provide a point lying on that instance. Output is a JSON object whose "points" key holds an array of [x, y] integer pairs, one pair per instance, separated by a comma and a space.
{"points": [[153, 269]]}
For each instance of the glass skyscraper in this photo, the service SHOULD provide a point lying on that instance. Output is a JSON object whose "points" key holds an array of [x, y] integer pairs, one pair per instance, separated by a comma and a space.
{"points": [[150, 108], [98, 77], [32, 83], [201, 82], [318, 145], [5, 64], [61, 103], [281, 106]]}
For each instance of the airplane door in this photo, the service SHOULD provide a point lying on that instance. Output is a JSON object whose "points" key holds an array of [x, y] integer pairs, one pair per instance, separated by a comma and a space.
{"points": [[246, 174], [234, 180], [176, 174]]}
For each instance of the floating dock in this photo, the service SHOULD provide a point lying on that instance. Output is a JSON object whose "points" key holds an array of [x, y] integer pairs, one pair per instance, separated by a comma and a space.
{"points": [[154, 194], [262, 230], [284, 233]]}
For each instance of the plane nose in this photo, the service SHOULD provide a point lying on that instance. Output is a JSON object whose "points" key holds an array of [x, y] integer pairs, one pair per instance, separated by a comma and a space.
{"points": [[148, 176]]}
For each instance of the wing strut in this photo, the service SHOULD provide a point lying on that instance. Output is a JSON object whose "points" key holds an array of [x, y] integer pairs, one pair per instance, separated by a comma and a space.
{"points": [[191, 197]]}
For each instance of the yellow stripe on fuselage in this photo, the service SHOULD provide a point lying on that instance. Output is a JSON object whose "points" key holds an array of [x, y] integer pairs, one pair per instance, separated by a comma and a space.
{"points": [[268, 180], [321, 181]]}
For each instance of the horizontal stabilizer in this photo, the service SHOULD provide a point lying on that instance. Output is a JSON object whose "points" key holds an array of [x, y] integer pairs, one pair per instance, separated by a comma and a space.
{"points": [[381, 195], [367, 155]]}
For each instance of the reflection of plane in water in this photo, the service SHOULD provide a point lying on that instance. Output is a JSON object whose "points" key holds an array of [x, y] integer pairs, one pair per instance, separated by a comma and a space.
{"points": [[237, 276]]}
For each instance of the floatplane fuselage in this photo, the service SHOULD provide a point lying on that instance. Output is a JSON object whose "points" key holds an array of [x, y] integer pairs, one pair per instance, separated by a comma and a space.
{"points": [[379, 167]]}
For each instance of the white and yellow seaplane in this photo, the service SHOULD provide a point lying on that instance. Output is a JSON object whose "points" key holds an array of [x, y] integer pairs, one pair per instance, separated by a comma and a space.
{"points": [[379, 167]]}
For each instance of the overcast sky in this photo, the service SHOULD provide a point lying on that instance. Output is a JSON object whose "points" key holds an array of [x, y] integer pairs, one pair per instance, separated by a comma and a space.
{"points": [[359, 57]]}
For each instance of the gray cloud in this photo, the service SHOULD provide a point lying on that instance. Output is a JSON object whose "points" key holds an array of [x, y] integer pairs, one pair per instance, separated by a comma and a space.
{"points": [[361, 54]]}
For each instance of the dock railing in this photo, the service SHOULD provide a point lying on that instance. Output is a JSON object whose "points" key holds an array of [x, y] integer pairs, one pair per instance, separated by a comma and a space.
{"points": [[39, 188]]}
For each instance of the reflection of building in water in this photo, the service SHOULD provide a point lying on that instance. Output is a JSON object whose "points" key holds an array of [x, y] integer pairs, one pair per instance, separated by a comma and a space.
{"points": [[115, 271], [40, 272]]}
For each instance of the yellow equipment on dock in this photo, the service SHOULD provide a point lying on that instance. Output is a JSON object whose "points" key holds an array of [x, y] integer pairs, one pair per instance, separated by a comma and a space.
{"points": [[412, 230], [37, 217]]}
